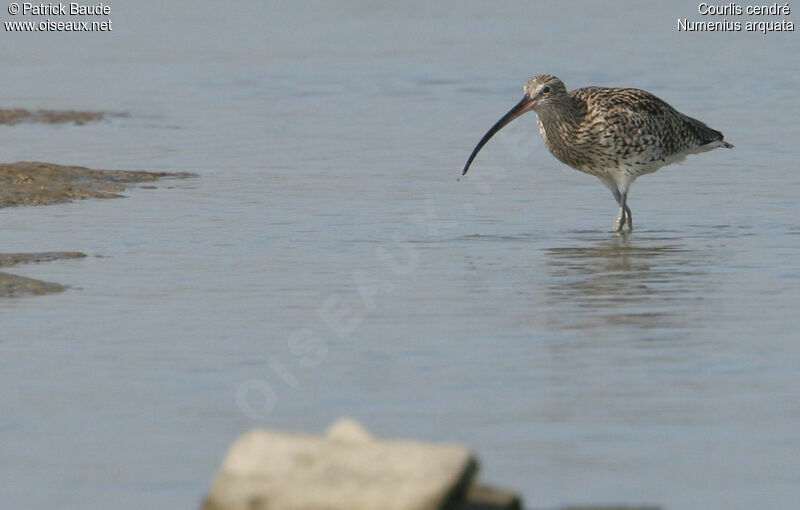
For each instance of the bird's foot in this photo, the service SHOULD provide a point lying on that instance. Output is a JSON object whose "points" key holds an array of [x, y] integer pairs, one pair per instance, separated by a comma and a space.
{"points": [[622, 222], [619, 223]]}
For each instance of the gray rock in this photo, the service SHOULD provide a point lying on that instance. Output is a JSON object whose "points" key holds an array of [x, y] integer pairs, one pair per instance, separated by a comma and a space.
{"points": [[346, 470]]}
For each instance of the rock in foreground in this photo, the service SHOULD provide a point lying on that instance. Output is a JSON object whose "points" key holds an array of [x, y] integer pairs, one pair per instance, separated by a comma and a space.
{"points": [[346, 470]]}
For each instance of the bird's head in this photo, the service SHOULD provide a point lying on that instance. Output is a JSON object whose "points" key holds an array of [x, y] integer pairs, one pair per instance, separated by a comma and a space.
{"points": [[541, 93]]}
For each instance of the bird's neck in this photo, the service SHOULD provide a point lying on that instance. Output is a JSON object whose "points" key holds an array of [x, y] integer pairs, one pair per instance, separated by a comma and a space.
{"points": [[558, 125], [561, 119]]}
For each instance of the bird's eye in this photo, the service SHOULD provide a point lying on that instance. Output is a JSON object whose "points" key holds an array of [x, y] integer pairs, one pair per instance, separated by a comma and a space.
{"points": [[545, 90]]}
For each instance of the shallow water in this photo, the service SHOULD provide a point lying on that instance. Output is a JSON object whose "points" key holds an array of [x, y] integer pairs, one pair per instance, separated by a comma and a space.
{"points": [[328, 262]]}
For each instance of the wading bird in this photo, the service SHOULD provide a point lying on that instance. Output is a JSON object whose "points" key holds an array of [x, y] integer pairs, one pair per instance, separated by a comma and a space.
{"points": [[611, 133]]}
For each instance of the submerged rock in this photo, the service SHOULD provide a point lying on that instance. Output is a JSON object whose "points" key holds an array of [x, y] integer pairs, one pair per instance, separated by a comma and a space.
{"points": [[16, 115], [16, 286], [35, 183]]}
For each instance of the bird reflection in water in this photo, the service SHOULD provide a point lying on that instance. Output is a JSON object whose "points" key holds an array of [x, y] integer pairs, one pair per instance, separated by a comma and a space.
{"points": [[649, 282]]}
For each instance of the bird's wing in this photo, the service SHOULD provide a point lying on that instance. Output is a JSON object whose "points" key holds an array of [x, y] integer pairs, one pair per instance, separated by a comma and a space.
{"points": [[629, 121], [658, 130], [641, 131]]}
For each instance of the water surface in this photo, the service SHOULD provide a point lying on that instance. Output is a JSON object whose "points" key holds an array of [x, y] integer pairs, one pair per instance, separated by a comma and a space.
{"points": [[328, 262]]}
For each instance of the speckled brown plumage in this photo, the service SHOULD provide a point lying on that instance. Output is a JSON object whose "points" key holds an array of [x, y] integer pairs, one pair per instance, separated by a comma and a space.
{"points": [[614, 134]]}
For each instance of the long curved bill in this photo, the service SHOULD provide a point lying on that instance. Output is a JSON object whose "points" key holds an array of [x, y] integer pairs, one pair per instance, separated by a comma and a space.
{"points": [[523, 106]]}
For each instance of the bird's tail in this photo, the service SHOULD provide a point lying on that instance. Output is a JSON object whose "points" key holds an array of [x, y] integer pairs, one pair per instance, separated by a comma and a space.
{"points": [[707, 135]]}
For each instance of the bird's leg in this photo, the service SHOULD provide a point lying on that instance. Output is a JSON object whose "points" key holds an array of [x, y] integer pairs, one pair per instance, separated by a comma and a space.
{"points": [[620, 220], [627, 212], [628, 219]]}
